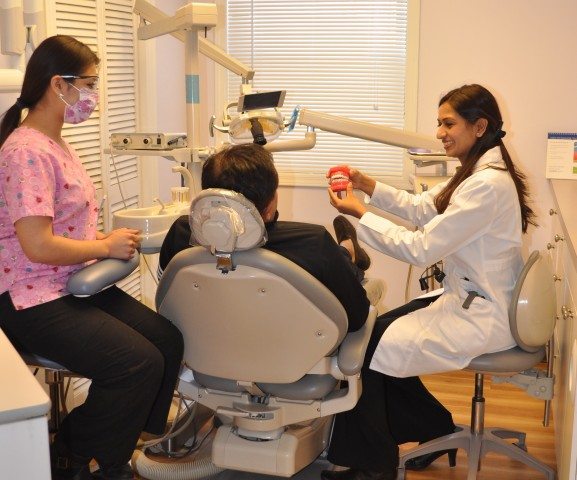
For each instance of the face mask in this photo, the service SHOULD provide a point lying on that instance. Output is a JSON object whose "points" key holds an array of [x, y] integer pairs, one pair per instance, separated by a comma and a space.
{"points": [[83, 108]]}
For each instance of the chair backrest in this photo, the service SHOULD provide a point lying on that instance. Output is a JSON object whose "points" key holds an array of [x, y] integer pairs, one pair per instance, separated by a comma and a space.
{"points": [[533, 304], [265, 320]]}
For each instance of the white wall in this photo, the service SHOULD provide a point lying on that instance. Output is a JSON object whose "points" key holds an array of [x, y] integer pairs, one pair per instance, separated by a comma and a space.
{"points": [[522, 50]]}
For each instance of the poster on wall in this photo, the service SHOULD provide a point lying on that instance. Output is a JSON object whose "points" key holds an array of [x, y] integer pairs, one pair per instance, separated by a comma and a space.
{"points": [[561, 156]]}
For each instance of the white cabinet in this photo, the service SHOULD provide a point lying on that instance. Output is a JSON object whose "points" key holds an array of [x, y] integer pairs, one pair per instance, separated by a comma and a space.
{"points": [[564, 243], [23, 425]]}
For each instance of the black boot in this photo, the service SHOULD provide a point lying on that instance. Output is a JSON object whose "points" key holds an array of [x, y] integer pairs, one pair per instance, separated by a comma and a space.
{"points": [[358, 474], [66, 465]]}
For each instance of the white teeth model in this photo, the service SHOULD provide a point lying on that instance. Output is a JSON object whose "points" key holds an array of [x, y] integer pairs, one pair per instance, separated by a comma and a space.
{"points": [[339, 176]]}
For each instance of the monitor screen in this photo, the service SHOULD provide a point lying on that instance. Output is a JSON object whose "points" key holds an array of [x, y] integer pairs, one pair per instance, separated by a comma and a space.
{"points": [[257, 101]]}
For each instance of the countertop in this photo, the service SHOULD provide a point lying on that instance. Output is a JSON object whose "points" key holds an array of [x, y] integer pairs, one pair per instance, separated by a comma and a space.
{"points": [[22, 396]]}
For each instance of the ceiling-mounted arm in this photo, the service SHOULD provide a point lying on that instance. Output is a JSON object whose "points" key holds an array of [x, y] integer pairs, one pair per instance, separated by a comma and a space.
{"points": [[149, 13], [217, 54]]}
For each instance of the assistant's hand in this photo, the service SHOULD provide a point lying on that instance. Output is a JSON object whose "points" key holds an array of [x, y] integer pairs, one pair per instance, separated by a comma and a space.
{"points": [[346, 202], [122, 243]]}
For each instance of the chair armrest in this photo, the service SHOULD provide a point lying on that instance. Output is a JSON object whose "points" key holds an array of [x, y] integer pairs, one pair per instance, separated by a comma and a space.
{"points": [[354, 346], [100, 275]]}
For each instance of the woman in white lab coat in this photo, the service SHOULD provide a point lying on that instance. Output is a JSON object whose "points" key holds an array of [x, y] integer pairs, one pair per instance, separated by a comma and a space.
{"points": [[474, 223]]}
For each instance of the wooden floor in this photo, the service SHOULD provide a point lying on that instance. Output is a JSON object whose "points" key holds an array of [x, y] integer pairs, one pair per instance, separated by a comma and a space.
{"points": [[505, 406]]}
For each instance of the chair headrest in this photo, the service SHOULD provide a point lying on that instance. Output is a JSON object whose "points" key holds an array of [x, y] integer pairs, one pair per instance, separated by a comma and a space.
{"points": [[225, 221]]}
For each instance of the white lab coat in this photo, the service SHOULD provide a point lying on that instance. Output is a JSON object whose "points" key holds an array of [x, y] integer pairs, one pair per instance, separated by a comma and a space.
{"points": [[479, 239]]}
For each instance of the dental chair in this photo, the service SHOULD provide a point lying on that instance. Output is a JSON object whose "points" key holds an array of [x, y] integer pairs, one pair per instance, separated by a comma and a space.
{"points": [[532, 319], [266, 344], [87, 281]]}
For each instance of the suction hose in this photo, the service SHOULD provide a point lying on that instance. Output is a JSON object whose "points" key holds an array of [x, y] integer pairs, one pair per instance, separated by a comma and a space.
{"points": [[153, 470]]}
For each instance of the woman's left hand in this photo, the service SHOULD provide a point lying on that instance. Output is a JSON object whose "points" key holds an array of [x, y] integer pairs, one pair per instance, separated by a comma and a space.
{"points": [[346, 202]]}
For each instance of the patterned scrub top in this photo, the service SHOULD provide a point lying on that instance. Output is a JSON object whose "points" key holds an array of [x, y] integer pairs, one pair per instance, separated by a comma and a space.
{"points": [[39, 178]]}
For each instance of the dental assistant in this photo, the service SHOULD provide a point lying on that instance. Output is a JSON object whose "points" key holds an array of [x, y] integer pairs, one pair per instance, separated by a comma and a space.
{"points": [[48, 231], [474, 223]]}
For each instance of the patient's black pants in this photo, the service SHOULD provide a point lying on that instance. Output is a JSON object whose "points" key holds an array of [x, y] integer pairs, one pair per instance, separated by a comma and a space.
{"points": [[131, 354], [389, 412]]}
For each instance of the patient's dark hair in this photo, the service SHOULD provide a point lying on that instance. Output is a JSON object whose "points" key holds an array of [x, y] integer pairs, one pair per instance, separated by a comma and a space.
{"points": [[246, 169]]}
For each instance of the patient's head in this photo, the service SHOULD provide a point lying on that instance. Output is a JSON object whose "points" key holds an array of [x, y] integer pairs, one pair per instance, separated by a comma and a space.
{"points": [[246, 169]]}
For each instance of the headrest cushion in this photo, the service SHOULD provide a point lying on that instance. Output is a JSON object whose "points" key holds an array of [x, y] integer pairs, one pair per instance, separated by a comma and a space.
{"points": [[225, 221]]}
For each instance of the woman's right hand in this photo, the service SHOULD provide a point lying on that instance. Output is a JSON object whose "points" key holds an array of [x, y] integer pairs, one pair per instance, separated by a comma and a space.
{"points": [[362, 182], [346, 202], [122, 243]]}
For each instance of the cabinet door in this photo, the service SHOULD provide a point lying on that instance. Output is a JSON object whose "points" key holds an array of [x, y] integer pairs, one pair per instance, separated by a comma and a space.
{"points": [[567, 316], [561, 353], [566, 366]]}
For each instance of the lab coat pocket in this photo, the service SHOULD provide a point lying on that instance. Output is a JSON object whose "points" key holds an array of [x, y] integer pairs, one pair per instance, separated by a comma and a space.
{"points": [[478, 310], [470, 293]]}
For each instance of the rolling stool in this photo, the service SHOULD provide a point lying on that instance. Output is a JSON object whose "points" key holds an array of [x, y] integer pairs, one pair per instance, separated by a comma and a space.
{"points": [[532, 320], [54, 378]]}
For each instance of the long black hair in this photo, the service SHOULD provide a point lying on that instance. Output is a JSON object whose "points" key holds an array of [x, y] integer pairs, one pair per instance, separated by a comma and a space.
{"points": [[57, 55], [473, 102]]}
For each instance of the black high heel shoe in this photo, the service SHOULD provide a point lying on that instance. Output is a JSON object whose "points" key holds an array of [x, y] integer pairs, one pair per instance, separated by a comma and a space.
{"points": [[423, 461]]}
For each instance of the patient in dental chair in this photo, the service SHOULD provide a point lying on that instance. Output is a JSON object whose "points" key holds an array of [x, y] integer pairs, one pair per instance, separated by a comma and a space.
{"points": [[248, 169]]}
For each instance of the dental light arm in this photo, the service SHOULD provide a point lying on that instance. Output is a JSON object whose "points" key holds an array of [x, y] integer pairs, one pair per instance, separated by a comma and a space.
{"points": [[368, 131]]}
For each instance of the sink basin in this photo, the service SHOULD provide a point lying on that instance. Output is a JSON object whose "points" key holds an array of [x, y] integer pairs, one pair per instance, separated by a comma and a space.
{"points": [[153, 222]]}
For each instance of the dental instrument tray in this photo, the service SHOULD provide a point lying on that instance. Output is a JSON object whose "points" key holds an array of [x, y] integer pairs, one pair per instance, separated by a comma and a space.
{"points": [[147, 141]]}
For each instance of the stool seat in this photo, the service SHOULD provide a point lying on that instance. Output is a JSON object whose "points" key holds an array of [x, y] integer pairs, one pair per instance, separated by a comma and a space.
{"points": [[54, 378], [508, 361], [34, 360]]}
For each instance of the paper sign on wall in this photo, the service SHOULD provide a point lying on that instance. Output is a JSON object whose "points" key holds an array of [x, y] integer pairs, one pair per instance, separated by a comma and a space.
{"points": [[561, 155]]}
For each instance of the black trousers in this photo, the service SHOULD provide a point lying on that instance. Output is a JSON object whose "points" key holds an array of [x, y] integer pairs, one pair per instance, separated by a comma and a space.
{"points": [[390, 411], [131, 354]]}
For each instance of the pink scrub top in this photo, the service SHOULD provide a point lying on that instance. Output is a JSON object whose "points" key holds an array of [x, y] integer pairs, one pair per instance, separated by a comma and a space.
{"points": [[39, 178]]}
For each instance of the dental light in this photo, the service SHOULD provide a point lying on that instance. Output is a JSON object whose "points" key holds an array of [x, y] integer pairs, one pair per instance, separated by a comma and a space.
{"points": [[258, 126], [259, 121]]}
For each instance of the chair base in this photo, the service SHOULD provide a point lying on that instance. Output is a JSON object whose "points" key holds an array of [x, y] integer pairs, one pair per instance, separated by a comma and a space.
{"points": [[477, 445], [297, 447]]}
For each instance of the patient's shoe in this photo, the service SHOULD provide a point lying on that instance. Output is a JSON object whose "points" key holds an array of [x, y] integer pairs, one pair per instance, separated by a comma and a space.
{"points": [[358, 474], [344, 230], [66, 465], [122, 472]]}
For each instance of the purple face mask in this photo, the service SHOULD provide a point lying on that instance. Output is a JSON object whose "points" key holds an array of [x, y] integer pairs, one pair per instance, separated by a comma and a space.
{"points": [[83, 108]]}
